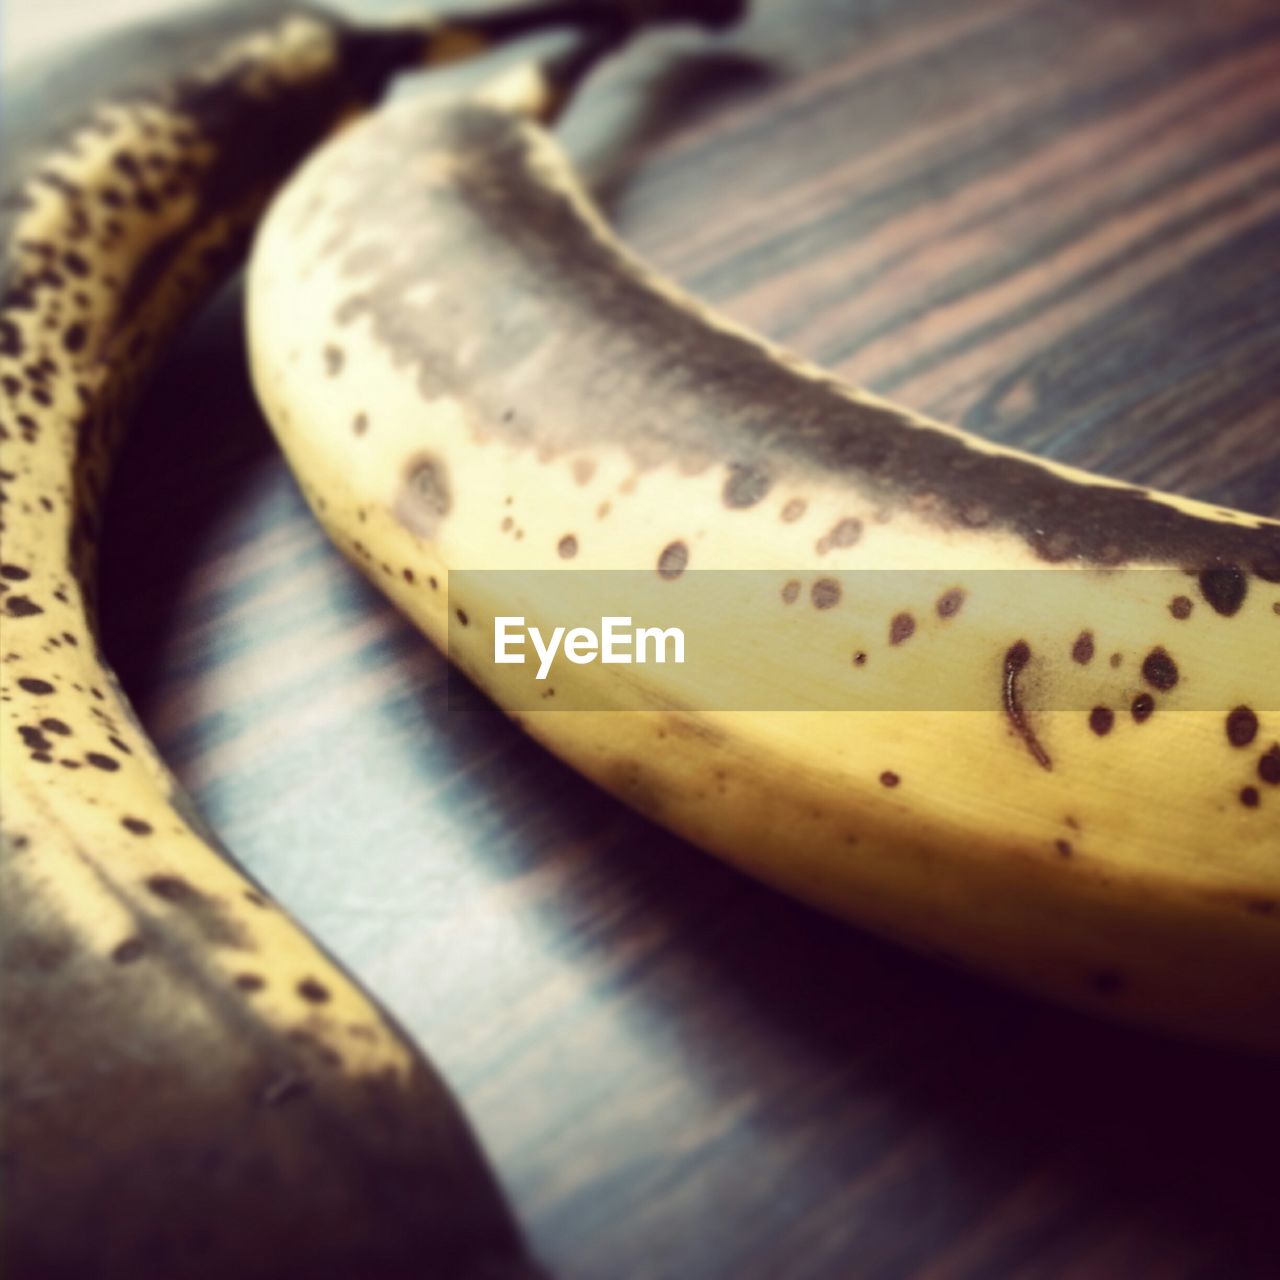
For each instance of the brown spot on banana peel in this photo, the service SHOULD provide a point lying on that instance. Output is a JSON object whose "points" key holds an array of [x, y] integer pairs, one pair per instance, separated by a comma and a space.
{"points": [[215, 922], [1242, 726], [902, 628], [745, 485], [846, 533], [1102, 720], [128, 951], [498, 225], [1160, 670], [21, 607], [675, 559], [1142, 708], [1225, 587], [424, 498], [1016, 659], [825, 593]]}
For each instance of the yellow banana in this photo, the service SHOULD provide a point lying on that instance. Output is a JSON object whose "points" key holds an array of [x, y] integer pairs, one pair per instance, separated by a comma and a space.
{"points": [[191, 1086], [999, 709]]}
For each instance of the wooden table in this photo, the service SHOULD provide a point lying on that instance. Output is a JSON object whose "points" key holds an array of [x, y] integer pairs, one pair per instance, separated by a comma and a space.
{"points": [[1056, 223]]}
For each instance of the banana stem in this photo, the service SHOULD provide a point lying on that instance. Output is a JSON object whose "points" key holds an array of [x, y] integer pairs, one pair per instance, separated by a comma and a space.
{"points": [[454, 36], [463, 34], [523, 18], [375, 54], [540, 90], [378, 53], [563, 74], [556, 79], [517, 20]]}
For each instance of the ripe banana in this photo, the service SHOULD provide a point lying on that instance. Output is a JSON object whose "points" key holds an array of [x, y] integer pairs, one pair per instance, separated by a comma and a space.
{"points": [[191, 1086], [1001, 710]]}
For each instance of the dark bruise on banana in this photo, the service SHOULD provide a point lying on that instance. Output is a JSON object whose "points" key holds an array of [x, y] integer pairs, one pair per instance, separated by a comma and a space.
{"points": [[191, 1087], [466, 370]]}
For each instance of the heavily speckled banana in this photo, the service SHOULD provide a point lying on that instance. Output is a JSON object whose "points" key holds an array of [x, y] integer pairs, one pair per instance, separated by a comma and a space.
{"points": [[468, 372], [191, 1087]]}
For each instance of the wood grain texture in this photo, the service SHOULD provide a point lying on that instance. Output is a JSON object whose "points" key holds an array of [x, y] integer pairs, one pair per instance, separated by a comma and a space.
{"points": [[1058, 224]]}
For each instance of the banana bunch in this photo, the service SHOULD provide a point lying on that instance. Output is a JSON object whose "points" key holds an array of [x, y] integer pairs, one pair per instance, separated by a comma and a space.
{"points": [[1006, 712], [191, 1086]]}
